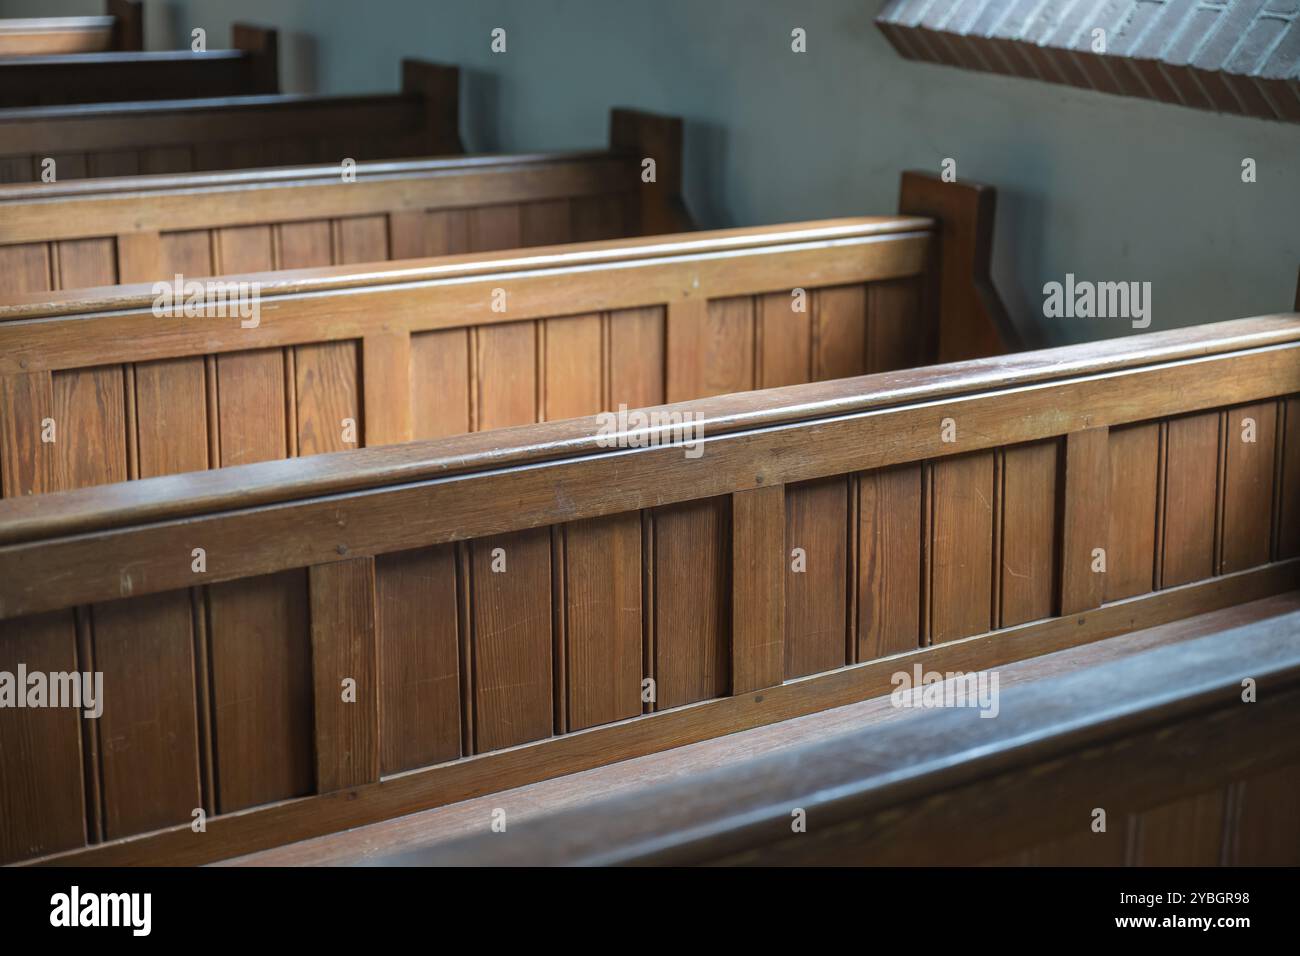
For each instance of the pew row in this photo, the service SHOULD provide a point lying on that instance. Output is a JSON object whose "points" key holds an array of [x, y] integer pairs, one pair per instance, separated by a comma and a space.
{"points": [[121, 29], [140, 229], [1149, 727], [250, 67], [339, 358], [235, 132], [346, 638]]}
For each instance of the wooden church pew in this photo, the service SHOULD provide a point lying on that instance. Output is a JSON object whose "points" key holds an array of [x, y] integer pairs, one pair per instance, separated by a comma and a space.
{"points": [[1157, 737], [121, 29], [236, 132], [508, 594], [428, 348], [140, 229], [250, 67]]}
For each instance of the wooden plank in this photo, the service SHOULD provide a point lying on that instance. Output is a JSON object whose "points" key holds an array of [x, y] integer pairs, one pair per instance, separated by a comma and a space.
{"points": [[25, 268], [149, 754], [494, 227], [511, 608], [602, 619], [84, 263], [1248, 486], [242, 249], [139, 257], [691, 602], [961, 546], [1134, 455], [42, 807], [187, 254], [785, 338], [260, 641], [328, 398], [728, 347], [686, 328], [545, 223], [1085, 513], [89, 411], [171, 416], [386, 382], [1186, 832], [636, 358], [889, 561], [345, 673], [304, 245], [1190, 487], [1029, 532], [817, 523], [1288, 535], [598, 217], [573, 367], [362, 239], [1265, 829], [841, 332], [419, 659], [440, 384], [447, 232], [896, 337], [506, 375], [27, 463], [760, 567], [251, 406]]}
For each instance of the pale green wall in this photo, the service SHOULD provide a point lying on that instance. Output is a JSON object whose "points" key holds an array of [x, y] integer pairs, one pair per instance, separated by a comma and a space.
{"points": [[1105, 187]]}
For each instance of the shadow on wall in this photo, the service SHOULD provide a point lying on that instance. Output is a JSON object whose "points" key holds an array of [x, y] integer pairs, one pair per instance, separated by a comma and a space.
{"points": [[480, 109], [302, 52], [705, 149]]}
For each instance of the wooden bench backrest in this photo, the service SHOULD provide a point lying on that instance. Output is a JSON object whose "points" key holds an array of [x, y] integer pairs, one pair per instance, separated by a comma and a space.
{"points": [[172, 136], [122, 28], [518, 587], [141, 229], [250, 67], [1160, 739]]}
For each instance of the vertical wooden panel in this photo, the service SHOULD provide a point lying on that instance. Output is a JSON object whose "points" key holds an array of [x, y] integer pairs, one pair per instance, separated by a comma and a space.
{"points": [[343, 649], [408, 234], [786, 339], [87, 262], [447, 232], [1288, 532], [304, 245], [889, 561], [574, 367], [244, 249], [327, 397], [961, 546], [251, 406], [602, 626], [494, 227], [260, 642], [1248, 487], [895, 336], [1028, 574], [148, 732], [26, 462], [440, 384], [124, 162], [636, 357], [511, 611], [817, 520], [507, 375], [42, 802], [544, 223], [1266, 827], [728, 347], [24, 268], [139, 257], [1191, 481], [760, 565], [841, 332], [419, 658], [172, 416], [386, 381], [187, 253], [686, 330], [89, 410], [1083, 848], [362, 239], [692, 601], [1134, 455], [1187, 832], [1086, 511], [167, 159], [598, 217]]}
